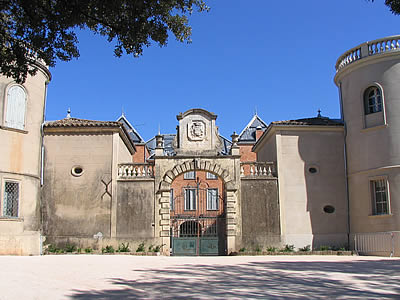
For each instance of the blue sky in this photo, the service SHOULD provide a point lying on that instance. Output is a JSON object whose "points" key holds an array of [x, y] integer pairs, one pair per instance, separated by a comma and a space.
{"points": [[276, 57]]}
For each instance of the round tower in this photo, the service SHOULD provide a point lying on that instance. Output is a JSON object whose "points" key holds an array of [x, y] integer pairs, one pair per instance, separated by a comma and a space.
{"points": [[368, 78], [21, 117]]}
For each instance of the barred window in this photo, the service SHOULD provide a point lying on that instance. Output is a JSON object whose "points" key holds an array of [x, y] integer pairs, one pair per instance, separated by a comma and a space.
{"points": [[189, 175], [380, 203], [372, 100], [211, 176], [212, 199], [15, 110], [11, 199]]}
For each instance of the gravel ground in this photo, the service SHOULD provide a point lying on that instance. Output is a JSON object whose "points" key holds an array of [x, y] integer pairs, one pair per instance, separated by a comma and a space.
{"points": [[131, 277]]}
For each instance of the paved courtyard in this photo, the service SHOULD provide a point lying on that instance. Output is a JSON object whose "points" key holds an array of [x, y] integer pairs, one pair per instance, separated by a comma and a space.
{"points": [[130, 277]]}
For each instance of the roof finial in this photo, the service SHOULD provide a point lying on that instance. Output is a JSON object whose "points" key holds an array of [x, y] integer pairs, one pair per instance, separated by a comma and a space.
{"points": [[255, 111], [122, 111], [69, 113], [159, 132], [319, 114]]}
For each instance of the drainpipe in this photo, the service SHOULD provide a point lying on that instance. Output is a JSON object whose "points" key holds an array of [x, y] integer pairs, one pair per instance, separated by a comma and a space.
{"points": [[345, 165], [42, 239]]}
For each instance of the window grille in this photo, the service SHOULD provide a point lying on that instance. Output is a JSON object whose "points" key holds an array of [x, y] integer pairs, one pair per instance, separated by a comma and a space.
{"points": [[189, 175], [11, 199], [380, 198], [372, 100], [190, 199], [16, 102], [212, 199]]}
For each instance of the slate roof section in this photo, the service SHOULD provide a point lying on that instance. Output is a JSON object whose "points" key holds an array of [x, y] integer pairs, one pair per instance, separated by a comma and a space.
{"points": [[133, 134], [75, 122], [169, 149], [168, 145], [248, 134], [317, 121]]}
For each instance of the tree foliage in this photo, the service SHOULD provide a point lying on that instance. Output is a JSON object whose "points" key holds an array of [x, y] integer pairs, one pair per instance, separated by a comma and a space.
{"points": [[394, 6], [45, 29]]}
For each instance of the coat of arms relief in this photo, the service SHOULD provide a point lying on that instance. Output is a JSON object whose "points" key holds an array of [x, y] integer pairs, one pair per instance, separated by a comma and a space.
{"points": [[196, 130]]}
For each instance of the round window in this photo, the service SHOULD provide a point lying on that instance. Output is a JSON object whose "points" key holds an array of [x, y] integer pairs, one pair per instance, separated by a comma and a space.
{"points": [[329, 209], [77, 171], [312, 170]]}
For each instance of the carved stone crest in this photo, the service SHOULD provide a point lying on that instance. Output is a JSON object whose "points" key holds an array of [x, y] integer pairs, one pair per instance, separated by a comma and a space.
{"points": [[196, 130]]}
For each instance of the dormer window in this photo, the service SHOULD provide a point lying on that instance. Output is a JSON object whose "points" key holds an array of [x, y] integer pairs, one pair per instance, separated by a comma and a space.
{"points": [[15, 107], [372, 100]]}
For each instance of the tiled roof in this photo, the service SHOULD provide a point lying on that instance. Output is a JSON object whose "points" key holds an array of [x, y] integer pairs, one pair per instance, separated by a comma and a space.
{"points": [[318, 121], [248, 134], [74, 122]]}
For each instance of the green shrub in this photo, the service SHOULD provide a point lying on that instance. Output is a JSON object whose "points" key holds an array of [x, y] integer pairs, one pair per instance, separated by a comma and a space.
{"points": [[123, 248], [88, 250], [52, 249], [108, 249], [140, 248], [288, 248], [158, 248], [242, 249], [69, 248], [305, 248], [324, 248], [271, 249], [258, 248], [151, 248]]}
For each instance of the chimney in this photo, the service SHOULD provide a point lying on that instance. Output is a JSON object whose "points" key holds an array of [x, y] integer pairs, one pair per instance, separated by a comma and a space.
{"points": [[259, 132]]}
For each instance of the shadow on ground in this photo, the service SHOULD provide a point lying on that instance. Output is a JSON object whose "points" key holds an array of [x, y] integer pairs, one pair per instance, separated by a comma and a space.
{"points": [[285, 280]]}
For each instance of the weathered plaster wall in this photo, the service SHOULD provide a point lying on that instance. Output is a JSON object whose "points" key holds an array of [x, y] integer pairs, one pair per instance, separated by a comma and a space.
{"points": [[135, 212], [20, 152], [260, 213], [77, 206], [303, 195]]}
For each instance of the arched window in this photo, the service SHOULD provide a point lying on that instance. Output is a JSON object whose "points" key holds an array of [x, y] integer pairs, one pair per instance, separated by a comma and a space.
{"points": [[15, 109], [372, 100]]}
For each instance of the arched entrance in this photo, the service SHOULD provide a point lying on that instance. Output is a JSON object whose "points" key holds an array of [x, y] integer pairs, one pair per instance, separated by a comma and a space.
{"points": [[197, 214]]}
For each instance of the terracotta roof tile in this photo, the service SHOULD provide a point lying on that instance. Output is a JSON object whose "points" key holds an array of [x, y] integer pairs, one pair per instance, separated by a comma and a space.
{"points": [[318, 121], [74, 122]]}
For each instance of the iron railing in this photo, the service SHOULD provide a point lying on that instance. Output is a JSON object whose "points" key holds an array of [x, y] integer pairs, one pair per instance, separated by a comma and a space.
{"points": [[377, 242]]}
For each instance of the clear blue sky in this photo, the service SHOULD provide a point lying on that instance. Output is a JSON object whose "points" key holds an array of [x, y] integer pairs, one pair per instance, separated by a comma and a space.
{"points": [[274, 56]]}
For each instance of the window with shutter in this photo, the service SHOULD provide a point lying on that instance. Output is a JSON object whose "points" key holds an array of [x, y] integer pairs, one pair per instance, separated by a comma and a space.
{"points": [[16, 105]]}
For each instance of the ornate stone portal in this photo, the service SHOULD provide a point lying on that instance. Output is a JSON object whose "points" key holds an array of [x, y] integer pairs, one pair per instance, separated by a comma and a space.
{"points": [[198, 148]]}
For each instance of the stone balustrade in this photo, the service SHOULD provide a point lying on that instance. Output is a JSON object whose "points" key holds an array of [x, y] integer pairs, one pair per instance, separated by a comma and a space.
{"points": [[257, 169], [379, 46], [135, 171]]}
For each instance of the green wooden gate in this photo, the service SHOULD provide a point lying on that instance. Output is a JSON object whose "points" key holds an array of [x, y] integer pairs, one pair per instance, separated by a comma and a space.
{"points": [[198, 223]]}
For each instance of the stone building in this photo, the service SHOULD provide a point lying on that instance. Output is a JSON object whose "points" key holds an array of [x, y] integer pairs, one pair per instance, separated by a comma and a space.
{"points": [[312, 181]]}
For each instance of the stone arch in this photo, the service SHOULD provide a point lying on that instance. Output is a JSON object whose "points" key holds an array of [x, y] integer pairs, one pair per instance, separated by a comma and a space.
{"points": [[196, 164]]}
